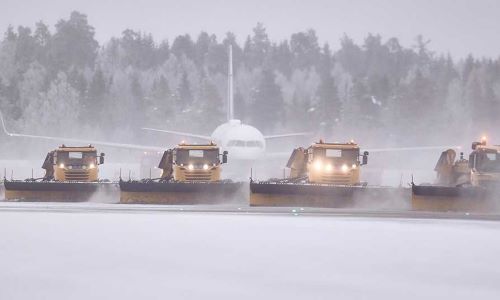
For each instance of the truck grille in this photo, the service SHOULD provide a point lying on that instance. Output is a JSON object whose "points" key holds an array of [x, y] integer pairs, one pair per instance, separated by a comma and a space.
{"points": [[198, 176], [340, 179], [76, 175]]}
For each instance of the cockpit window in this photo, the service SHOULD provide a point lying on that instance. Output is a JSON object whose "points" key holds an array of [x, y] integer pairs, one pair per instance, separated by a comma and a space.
{"points": [[236, 143], [255, 144], [249, 144]]}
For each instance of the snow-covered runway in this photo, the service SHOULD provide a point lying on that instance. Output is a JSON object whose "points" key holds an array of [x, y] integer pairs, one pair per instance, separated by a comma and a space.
{"points": [[179, 255]]}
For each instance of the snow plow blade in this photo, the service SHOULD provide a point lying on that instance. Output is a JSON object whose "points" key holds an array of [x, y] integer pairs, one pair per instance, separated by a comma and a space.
{"points": [[53, 191], [181, 193], [445, 198], [268, 193]]}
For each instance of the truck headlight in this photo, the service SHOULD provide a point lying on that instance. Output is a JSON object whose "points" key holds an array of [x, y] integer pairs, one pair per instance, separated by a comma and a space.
{"points": [[190, 167], [205, 167], [354, 166], [91, 166], [318, 165], [61, 166], [329, 168], [345, 168]]}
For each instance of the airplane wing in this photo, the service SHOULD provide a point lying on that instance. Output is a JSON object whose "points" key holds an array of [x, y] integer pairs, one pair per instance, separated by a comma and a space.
{"points": [[277, 155], [277, 136], [416, 148], [79, 141], [205, 137], [374, 150]]}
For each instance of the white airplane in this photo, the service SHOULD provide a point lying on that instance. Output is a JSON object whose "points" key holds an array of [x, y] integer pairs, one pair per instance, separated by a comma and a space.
{"points": [[242, 141]]}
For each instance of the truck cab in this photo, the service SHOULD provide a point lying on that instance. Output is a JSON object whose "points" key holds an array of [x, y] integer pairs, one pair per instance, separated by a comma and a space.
{"points": [[335, 163], [193, 162], [73, 164], [328, 163], [484, 163]]}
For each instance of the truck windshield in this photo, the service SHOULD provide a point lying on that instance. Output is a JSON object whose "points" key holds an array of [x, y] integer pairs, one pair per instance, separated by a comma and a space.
{"points": [[197, 156], [337, 155], [76, 157], [486, 161]]}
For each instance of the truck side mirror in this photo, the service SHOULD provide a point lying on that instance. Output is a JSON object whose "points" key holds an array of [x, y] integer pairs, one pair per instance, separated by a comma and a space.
{"points": [[474, 145], [224, 157], [472, 160], [101, 159], [365, 158]]}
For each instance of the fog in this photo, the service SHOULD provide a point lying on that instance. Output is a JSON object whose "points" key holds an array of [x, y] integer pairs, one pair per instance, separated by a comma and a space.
{"points": [[459, 27], [342, 71]]}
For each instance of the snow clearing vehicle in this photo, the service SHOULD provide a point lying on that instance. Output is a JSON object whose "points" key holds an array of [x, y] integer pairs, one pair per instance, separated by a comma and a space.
{"points": [[322, 175], [472, 184], [71, 174], [191, 174]]}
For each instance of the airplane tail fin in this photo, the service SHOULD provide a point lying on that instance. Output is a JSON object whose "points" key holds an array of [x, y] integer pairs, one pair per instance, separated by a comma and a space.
{"points": [[230, 100]]}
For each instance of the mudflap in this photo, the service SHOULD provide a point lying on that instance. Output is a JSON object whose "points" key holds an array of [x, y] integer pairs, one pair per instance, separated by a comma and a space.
{"points": [[444, 198], [327, 196], [52, 191], [183, 193]]}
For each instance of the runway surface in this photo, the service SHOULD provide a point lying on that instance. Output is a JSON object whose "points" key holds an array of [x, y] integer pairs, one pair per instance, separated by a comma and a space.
{"points": [[87, 207], [110, 251]]}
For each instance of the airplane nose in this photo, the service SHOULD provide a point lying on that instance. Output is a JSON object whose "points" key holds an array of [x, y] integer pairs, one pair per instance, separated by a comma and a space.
{"points": [[242, 153]]}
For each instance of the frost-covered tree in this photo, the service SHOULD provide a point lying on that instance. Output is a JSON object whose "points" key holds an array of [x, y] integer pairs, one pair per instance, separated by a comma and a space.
{"points": [[160, 106], [328, 105], [56, 111], [183, 45], [257, 47], [268, 105], [73, 43], [305, 49], [210, 105], [379, 89], [184, 93]]}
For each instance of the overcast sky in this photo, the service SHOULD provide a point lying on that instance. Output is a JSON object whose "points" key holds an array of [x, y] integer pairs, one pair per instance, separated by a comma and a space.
{"points": [[456, 26]]}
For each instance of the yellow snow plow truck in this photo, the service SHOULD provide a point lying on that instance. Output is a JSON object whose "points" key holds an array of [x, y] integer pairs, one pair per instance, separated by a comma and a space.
{"points": [[465, 185], [71, 174], [73, 164], [193, 163], [328, 163], [190, 174], [322, 175]]}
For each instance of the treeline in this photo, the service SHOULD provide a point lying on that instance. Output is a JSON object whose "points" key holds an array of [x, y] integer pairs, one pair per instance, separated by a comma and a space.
{"points": [[65, 83]]}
